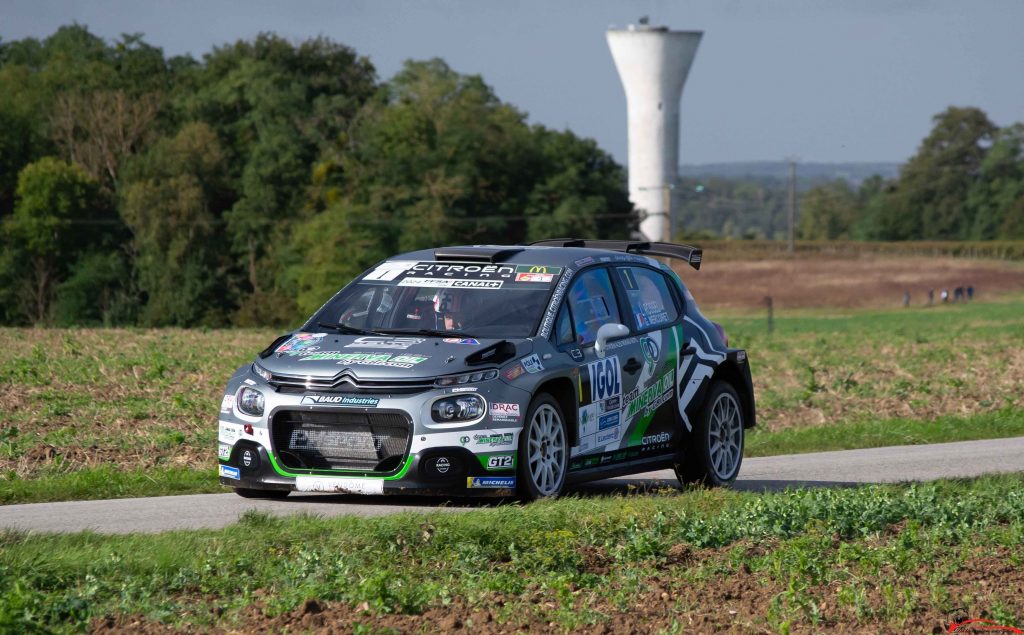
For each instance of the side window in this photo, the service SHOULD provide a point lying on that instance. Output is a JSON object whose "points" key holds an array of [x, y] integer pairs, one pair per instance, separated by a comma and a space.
{"points": [[649, 297], [563, 327], [357, 314], [592, 302]]}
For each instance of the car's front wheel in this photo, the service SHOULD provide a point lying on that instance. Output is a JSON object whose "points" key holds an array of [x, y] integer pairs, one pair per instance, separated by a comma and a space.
{"points": [[245, 492], [543, 450], [716, 444]]}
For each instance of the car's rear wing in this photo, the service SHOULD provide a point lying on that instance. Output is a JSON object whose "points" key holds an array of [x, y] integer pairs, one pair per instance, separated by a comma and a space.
{"points": [[690, 254]]}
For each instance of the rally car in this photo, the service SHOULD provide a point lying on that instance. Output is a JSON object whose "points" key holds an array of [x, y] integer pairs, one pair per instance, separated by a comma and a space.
{"points": [[493, 370]]}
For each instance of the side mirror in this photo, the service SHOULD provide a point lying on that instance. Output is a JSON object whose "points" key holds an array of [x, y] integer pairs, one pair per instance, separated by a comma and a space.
{"points": [[608, 332]]}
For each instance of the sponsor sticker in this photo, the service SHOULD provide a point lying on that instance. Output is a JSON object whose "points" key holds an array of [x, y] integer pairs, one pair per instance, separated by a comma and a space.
{"points": [[385, 342], [491, 482], [494, 440], [649, 399], [368, 359], [229, 432], [442, 465], [609, 420], [450, 283], [650, 349], [300, 342], [654, 439], [535, 277], [500, 462], [458, 340], [505, 411], [388, 271], [339, 485], [340, 400], [227, 404], [605, 378], [555, 303], [223, 451], [608, 436], [532, 364], [230, 472], [514, 371]]}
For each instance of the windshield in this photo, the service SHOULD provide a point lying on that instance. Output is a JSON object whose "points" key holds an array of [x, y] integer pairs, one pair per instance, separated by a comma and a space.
{"points": [[442, 298]]}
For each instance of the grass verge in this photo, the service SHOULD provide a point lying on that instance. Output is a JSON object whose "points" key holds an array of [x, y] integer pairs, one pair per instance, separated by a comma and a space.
{"points": [[875, 558], [106, 482]]}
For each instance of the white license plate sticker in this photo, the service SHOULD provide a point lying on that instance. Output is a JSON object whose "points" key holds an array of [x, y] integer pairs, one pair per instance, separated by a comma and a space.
{"points": [[336, 485]]}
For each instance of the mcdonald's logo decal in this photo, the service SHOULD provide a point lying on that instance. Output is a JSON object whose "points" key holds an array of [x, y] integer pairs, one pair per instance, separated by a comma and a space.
{"points": [[538, 269]]}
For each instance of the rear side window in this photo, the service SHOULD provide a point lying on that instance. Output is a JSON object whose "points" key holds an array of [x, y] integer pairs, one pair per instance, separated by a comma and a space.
{"points": [[563, 327], [649, 298], [592, 302]]}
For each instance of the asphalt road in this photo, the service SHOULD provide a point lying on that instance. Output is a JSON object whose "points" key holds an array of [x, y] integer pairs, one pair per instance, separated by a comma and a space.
{"points": [[824, 469]]}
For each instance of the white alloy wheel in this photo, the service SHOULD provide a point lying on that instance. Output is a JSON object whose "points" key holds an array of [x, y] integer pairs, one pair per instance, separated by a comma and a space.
{"points": [[725, 436], [545, 451]]}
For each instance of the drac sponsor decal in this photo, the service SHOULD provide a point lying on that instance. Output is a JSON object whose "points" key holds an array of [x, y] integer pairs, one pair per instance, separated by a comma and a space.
{"points": [[491, 482], [340, 400], [368, 359], [385, 342], [648, 400], [505, 411]]}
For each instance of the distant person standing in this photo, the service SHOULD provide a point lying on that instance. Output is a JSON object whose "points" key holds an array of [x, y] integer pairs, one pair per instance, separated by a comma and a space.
{"points": [[970, 292], [958, 294], [944, 296], [931, 297], [906, 299]]}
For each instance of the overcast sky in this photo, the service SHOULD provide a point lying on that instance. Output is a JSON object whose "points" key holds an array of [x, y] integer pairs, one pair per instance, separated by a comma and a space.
{"points": [[825, 81]]}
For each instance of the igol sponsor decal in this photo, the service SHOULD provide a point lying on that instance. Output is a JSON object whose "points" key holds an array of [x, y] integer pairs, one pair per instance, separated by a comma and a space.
{"points": [[491, 482], [493, 440], [385, 342], [340, 400]]}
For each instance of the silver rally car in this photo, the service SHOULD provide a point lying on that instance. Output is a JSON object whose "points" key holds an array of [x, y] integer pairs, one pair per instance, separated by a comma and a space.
{"points": [[493, 370]]}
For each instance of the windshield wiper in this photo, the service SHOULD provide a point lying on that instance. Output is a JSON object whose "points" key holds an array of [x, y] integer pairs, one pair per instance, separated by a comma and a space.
{"points": [[433, 332], [344, 328]]}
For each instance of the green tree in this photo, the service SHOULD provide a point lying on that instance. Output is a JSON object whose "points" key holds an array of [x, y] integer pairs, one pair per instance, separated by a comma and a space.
{"points": [[49, 227], [997, 197], [828, 212], [170, 204], [929, 201]]}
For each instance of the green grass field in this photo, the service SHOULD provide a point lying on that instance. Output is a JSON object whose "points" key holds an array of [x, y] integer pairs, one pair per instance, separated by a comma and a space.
{"points": [[874, 559], [93, 413]]}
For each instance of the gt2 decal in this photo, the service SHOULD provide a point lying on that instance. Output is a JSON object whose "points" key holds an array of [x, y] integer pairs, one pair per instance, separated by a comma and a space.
{"points": [[500, 462]]}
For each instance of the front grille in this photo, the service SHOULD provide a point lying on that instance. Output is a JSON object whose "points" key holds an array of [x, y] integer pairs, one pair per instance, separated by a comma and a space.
{"points": [[374, 442], [345, 381]]}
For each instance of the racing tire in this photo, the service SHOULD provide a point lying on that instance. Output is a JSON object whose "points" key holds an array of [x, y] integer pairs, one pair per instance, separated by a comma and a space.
{"points": [[715, 451], [543, 461], [245, 492]]}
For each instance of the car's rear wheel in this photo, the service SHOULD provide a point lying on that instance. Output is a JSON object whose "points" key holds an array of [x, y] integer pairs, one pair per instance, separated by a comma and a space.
{"points": [[543, 450], [245, 492], [716, 445]]}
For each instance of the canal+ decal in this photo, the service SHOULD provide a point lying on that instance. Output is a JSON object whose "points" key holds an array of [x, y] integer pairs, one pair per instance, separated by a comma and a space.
{"points": [[605, 379]]}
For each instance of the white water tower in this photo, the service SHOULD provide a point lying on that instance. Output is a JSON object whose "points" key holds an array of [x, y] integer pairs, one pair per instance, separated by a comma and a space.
{"points": [[653, 63]]}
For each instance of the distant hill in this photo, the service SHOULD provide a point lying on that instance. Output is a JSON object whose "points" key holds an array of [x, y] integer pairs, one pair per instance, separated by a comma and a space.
{"points": [[808, 174]]}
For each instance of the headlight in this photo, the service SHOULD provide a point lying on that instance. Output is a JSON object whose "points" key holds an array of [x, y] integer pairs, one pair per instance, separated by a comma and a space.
{"points": [[250, 401], [459, 408], [466, 378], [262, 372]]}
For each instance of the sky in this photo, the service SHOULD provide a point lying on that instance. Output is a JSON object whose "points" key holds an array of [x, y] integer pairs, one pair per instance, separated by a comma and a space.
{"points": [[821, 81]]}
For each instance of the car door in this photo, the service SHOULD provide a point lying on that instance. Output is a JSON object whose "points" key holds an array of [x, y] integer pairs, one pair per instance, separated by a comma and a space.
{"points": [[654, 315], [601, 379]]}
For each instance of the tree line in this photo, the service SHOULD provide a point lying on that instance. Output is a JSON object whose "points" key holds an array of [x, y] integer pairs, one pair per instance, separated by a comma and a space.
{"points": [[965, 183], [247, 186]]}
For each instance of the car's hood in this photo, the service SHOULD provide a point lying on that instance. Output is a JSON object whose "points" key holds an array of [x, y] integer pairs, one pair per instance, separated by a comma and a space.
{"points": [[377, 357]]}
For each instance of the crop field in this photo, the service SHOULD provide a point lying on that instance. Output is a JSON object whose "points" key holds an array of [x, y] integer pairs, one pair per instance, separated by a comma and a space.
{"points": [[95, 413], [835, 280], [875, 559]]}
